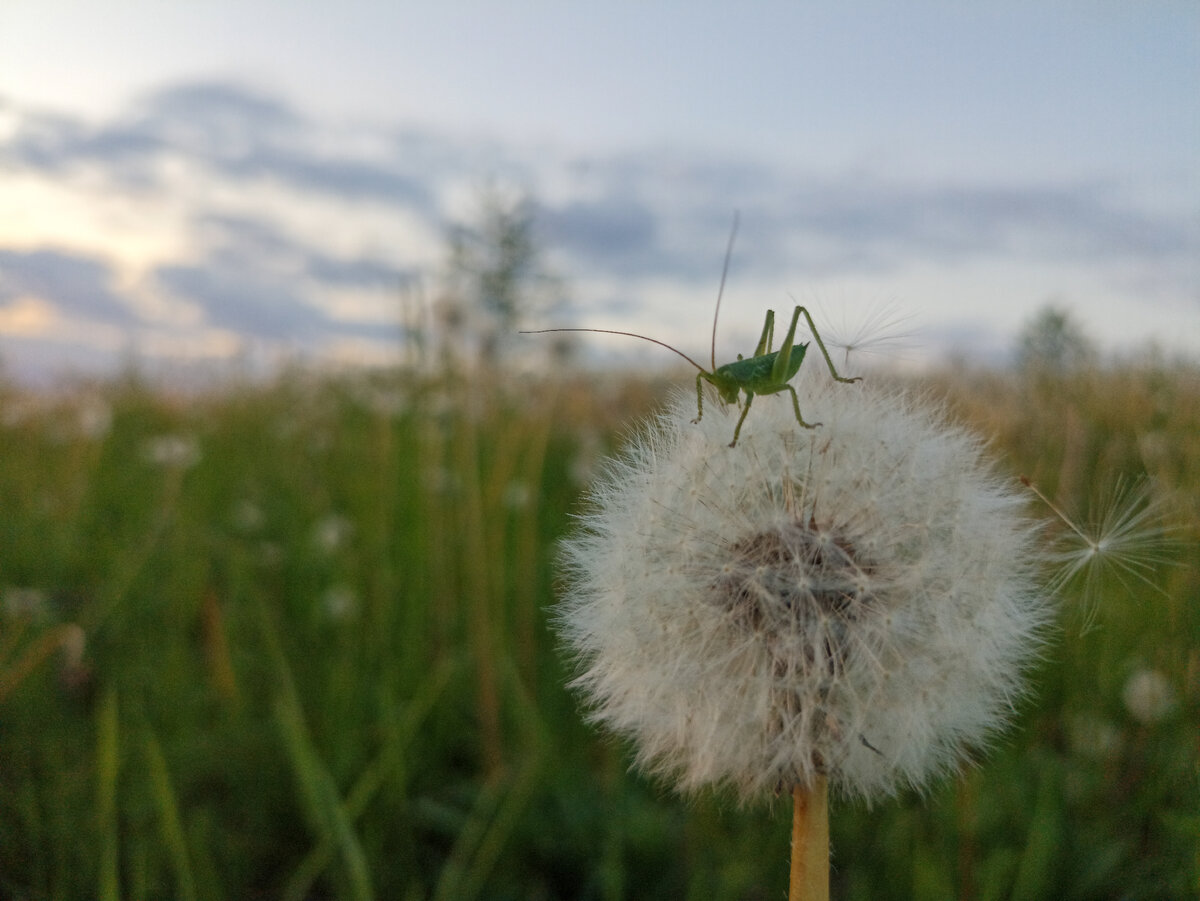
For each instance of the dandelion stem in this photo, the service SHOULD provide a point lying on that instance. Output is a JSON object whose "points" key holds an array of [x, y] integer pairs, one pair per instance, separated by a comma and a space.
{"points": [[810, 842]]}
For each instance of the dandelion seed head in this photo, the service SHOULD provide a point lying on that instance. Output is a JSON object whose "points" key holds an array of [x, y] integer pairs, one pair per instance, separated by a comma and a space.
{"points": [[858, 600]]}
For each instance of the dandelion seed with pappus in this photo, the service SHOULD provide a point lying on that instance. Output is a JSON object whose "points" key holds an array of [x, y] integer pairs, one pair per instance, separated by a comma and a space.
{"points": [[1126, 544]]}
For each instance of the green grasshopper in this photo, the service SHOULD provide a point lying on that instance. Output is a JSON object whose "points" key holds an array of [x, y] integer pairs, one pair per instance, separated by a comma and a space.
{"points": [[767, 372]]}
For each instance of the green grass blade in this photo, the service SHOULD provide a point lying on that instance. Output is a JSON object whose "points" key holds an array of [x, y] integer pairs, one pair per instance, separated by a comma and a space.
{"points": [[172, 823], [320, 798], [498, 810], [107, 771], [387, 762]]}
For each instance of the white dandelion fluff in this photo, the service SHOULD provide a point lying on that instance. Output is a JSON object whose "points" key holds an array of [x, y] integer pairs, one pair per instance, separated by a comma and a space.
{"points": [[856, 602]]}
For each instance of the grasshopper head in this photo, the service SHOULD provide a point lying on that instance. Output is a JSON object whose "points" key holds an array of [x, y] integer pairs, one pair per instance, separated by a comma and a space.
{"points": [[728, 391], [726, 383]]}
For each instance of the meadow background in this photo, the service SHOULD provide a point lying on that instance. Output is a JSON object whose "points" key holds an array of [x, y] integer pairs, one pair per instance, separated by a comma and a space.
{"points": [[289, 638]]}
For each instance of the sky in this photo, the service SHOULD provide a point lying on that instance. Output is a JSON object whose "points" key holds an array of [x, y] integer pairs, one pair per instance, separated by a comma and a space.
{"points": [[201, 184]]}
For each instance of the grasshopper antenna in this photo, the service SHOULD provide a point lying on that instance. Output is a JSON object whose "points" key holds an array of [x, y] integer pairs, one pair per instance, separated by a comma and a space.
{"points": [[605, 331], [721, 290]]}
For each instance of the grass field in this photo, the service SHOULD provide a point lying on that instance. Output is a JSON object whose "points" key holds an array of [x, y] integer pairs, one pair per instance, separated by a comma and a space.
{"points": [[290, 641]]}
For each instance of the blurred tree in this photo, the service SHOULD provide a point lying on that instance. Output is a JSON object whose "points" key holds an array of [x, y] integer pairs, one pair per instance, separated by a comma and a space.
{"points": [[496, 281], [1052, 341]]}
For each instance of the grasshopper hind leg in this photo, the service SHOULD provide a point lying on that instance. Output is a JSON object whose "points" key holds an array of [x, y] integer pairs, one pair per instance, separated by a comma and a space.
{"points": [[796, 408]]}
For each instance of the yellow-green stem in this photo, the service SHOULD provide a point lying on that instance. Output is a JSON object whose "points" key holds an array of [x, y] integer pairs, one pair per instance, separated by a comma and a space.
{"points": [[810, 842]]}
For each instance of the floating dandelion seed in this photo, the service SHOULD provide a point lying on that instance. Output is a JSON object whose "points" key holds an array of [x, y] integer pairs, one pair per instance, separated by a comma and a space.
{"points": [[854, 603], [883, 330], [1126, 542]]}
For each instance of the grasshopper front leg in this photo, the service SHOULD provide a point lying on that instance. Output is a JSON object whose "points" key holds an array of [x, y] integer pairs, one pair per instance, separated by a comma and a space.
{"points": [[699, 398], [737, 430]]}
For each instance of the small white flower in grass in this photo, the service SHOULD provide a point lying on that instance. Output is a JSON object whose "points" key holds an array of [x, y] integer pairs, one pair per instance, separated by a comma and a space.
{"points": [[172, 451], [517, 495], [1148, 696], [340, 602], [24, 603], [93, 417], [331, 533], [856, 601], [1093, 736], [247, 516]]}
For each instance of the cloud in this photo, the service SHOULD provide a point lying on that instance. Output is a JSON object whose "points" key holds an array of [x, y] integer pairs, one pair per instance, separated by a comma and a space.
{"points": [[609, 232], [256, 281], [216, 114], [294, 223], [662, 216], [246, 302], [78, 286], [252, 244], [228, 128], [359, 272], [897, 221], [657, 213]]}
